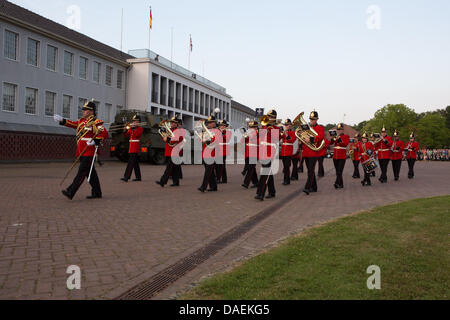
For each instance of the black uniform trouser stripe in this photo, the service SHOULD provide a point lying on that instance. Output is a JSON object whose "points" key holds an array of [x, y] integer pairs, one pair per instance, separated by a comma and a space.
{"points": [[83, 172], [311, 183], [133, 164]]}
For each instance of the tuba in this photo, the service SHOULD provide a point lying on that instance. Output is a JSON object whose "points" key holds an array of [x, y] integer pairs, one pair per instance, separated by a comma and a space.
{"points": [[304, 133]]}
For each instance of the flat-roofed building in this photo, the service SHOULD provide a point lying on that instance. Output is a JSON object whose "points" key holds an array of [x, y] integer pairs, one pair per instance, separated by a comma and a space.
{"points": [[157, 85], [240, 113]]}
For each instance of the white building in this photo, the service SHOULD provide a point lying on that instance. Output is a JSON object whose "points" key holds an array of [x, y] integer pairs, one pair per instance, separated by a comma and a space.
{"points": [[159, 86]]}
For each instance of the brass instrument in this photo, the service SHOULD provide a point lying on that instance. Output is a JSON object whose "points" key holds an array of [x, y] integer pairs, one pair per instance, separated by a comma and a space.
{"points": [[126, 126], [304, 133], [378, 138], [206, 133], [265, 121], [165, 131]]}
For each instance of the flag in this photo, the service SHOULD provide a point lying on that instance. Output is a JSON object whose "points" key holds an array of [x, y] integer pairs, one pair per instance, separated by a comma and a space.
{"points": [[151, 19], [191, 42]]}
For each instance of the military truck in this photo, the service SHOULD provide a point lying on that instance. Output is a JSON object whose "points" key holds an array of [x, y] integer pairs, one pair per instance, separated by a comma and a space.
{"points": [[152, 146]]}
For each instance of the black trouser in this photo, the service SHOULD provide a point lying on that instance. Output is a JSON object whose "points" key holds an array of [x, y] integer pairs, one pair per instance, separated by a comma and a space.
{"points": [[266, 181], [411, 163], [356, 172], [133, 164], [221, 171], [251, 174], [321, 172], [209, 178], [311, 183], [287, 168], [171, 171], [367, 177], [396, 166], [301, 166], [383, 166], [83, 173], [295, 162], [339, 165]]}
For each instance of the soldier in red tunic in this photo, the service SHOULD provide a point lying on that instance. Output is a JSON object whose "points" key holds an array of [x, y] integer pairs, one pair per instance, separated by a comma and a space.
{"points": [[367, 150], [383, 148], [397, 148], [224, 152], [134, 133], [312, 156], [211, 147], [355, 156], [269, 137], [287, 150], [340, 143], [251, 155], [90, 132], [172, 151], [411, 155]]}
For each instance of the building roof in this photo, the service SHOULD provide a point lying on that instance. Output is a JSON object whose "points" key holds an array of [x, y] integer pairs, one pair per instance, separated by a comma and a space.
{"points": [[13, 12], [242, 108], [348, 130]]}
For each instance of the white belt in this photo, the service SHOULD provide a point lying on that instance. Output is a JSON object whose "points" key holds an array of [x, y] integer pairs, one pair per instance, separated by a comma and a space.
{"points": [[86, 139], [396, 151], [340, 148], [224, 144], [135, 140], [268, 144], [288, 144], [384, 150], [251, 145]]}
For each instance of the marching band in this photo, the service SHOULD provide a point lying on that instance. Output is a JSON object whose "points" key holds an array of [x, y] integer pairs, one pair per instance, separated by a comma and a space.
{"points": [[294, 142]]}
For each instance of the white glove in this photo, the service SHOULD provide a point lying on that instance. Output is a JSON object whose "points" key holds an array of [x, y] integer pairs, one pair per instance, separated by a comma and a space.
{"points": [[57, 118], [91, 143]]}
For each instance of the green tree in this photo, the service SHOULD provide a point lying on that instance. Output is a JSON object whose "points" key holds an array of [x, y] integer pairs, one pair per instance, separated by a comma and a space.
{"points": [[393, 117], [330, 126], [447, 116], [432, 132], [360, 126]]}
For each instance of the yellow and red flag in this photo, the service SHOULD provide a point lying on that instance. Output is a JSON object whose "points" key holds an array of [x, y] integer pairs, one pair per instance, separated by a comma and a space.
{"points": [[151, 19]]}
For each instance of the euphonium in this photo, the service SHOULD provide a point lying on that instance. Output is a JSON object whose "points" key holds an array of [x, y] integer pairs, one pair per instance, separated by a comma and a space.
{"points": [[265, 121], [304, 133], [165, 131]]}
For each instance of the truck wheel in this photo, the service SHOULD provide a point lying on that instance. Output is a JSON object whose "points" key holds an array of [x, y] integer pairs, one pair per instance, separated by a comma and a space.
{"points": [[159, 158]]}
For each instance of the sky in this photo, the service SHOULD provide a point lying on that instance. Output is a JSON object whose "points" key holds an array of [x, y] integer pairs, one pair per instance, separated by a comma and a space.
{"points": [[345, 59]]}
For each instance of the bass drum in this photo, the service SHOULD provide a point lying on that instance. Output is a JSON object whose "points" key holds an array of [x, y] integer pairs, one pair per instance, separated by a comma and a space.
{"points": [[370, 165]]}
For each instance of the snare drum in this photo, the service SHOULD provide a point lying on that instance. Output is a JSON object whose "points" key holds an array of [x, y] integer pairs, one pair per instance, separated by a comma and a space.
{"points": [[370, 165]]}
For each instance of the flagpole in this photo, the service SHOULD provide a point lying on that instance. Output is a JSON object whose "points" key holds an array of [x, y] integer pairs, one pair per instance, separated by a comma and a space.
{"points": [[121, 33], [189, 60], [171, 48]]}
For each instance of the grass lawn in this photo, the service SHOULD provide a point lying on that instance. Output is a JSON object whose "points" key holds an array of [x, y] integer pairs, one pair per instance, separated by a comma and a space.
{"points": [[409, 241]]}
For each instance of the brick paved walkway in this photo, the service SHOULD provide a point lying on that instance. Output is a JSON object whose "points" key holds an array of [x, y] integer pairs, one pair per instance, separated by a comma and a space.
{"points": [[137, 230]]}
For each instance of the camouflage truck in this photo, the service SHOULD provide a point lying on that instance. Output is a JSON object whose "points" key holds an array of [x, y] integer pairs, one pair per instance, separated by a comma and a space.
{"points": [[152, 146]]}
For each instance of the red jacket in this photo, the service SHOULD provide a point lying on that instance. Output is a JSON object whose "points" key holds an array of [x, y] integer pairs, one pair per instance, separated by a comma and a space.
{"points": [[86, 130], [397, 150], [134, 134], [209, 151], [227, 135], [175, 142], [323, 152], [307, 152], [414, 146], [251, 144], [363, 148], [267, 145], [340, 147], [384, 149], [356, 153], [288, 139]]}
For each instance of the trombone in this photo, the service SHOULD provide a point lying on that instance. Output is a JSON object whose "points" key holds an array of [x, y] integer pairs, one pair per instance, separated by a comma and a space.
{"points": [[201, 125], [127, 126]]}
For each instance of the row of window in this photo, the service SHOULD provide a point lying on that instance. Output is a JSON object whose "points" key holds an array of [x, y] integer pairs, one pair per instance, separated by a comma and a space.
{"points": [[167, 92], [11, 50], [240, 117], [10, 93]]}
